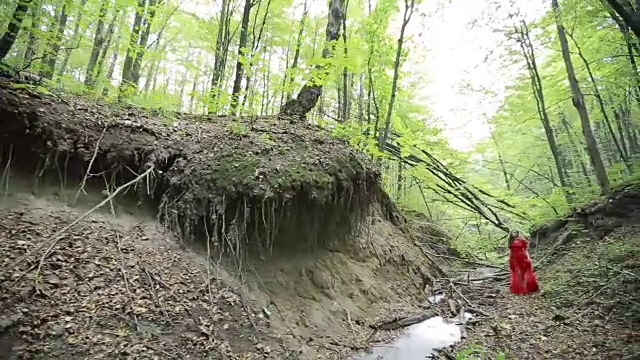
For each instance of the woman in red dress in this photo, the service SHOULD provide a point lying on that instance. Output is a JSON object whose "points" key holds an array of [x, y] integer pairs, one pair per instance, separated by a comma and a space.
{"points": [[523, 280]]}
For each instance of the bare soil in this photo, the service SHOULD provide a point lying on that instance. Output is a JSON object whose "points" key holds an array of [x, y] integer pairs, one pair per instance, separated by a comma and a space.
{"points": [[122, 286]]}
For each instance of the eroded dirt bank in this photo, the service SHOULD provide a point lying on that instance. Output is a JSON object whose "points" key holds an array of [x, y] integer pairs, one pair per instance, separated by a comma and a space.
{"points": [[589, 307], [306, 249]]}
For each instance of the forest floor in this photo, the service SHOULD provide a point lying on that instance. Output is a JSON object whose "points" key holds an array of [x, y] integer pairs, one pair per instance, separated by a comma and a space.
{"points": [[589, 306]]}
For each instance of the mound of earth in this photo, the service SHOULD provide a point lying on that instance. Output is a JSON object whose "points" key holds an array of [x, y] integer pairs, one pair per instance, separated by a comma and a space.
{"points": [[248, 174], [301, 250], [589, 306]]}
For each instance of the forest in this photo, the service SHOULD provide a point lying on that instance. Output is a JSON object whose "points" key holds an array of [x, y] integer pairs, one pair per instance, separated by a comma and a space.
{"points": [[566, 130]]}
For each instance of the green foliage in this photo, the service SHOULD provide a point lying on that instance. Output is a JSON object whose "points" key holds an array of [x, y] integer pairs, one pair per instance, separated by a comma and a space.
{"points": [[476, 352]]}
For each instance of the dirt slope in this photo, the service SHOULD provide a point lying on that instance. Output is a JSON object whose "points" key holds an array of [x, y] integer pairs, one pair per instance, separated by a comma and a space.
{"points": [[589, 307], [286, 247]]}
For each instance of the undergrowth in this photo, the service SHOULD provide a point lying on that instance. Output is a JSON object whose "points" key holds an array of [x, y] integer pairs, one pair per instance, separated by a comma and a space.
{"points": [[592, 272], [476, 352]]}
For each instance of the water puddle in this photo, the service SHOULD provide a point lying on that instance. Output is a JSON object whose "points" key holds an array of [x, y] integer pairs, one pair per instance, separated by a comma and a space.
{"points": [[436, 298], [420, 340]]}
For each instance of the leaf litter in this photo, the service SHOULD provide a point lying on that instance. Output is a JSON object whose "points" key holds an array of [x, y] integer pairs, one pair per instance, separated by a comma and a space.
{"points": [[110, 291]]}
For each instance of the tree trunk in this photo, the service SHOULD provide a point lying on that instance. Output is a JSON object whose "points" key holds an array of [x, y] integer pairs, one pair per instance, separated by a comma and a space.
{"points": [[631, 44], [51, 52], [576, 149], [144, 38], [112, 63], [222, 43], [296, 54], [117, 19], [298, 108], [76, 38], [32, 38], [503, 167], [192, 98], [579, 104], [251, 76], [98, 42], [526, 46], [600, 100], [242, 54], [345, 71], [126, 84], [10, 36], [630, 13], [408, 11]]}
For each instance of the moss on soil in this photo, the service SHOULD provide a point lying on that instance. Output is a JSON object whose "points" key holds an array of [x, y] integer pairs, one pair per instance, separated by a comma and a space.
{"points": [[273, 180]]}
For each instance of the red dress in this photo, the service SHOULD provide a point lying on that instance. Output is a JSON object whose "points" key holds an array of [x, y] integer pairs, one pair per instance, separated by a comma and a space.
{"points": [[523, 280]]}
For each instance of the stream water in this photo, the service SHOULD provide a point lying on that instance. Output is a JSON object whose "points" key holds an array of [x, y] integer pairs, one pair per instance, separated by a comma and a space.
{"points": [[420, 340], [423, 339]]}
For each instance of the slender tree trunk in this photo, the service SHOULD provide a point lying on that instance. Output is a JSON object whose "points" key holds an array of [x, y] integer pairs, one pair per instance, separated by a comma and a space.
{"points": [[296, 54], [628, 130], [52, 51], [264, 107], [361, 98], [345, 71], [32, 38], [74, 43], [222, 45], [112, 63], [631, 45], [579, 104], [503, 167], [251, 75], [126, 84], [242, 55], [11, 34], [98, 42], [536, 85], [192, 99], [152, 71], [408, 11], [600, 100], [117, 19], [576, 148], [144, 38], [621, 133]]}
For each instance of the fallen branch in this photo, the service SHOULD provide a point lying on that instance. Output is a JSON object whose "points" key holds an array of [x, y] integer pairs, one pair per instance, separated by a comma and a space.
{"points": [[477, 311], [55, 238], [465, 260], [459, 293], [497, 275], [398, 323]]}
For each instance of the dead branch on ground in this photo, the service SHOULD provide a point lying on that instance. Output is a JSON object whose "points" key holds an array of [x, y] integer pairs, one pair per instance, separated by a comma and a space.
{"points": [[55, 238], [465, 260], [403, 322]]}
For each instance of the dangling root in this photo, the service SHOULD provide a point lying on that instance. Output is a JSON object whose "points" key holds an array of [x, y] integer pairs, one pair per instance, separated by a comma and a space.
{"points": [[5, 174]]}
